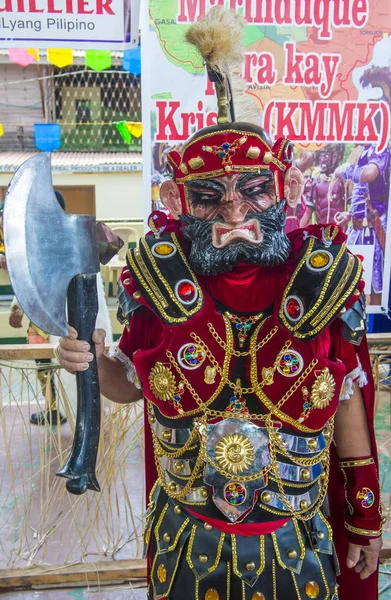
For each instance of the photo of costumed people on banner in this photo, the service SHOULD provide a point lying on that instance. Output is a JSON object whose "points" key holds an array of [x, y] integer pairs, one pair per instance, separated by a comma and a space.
{"points": [[320, 78]]}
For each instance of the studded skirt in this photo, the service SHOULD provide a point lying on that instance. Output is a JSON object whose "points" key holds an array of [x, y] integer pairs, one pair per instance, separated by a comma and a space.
{"points": [[192, 560]]}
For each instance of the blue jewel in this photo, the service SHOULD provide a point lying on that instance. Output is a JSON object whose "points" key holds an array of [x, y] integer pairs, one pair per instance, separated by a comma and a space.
{"points": [[225, 146], [232, 399], [193, 361], [221, 154], [239, 326], [287, 357], [240, 498]]}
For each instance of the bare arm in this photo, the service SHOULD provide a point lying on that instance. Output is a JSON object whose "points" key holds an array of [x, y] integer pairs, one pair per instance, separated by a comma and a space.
{"points": [[351, 432], [74, 356], [114, 383], [306, 218]]}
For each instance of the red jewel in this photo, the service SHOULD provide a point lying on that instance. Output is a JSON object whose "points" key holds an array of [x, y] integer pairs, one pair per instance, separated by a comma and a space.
{"points": [[293, 308], [186, 291]]}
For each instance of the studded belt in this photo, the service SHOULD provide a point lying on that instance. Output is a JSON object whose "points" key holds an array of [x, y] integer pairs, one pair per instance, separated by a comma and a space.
{"points": [[176, 436], [182, 469], [303, 445], [293, 443], [297, 502]]}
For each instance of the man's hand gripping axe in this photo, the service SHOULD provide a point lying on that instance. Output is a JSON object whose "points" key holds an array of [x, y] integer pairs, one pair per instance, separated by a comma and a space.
{"points": [[52, 256]]}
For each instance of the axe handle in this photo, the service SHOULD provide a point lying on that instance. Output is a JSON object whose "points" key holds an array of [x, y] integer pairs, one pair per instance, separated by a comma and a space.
{"points": [[80, 466]]}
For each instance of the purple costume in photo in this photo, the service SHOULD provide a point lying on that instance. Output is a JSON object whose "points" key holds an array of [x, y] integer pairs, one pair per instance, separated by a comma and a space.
{"points": [[360, 231]]}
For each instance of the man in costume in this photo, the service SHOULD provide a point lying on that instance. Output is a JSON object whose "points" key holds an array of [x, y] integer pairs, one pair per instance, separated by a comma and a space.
{"points": [[368, 209], [369, 203], [246, 345], [327, 194]]}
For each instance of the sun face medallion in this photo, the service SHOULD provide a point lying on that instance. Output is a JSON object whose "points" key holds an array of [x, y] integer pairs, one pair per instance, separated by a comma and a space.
{"points": [[235, 453], [322, 391], [162, 382]]}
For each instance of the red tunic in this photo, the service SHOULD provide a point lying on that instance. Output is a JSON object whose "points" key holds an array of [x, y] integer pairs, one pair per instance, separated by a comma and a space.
{"points": [[252, 289]]}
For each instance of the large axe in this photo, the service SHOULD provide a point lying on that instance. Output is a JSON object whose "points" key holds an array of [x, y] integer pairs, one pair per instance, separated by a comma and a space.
{"points": [[52, 256]]}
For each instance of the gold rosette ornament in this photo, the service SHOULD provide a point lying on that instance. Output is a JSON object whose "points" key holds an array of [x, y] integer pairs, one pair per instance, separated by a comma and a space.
{"points": [[235, 453], [322, 391], [162, 382]]}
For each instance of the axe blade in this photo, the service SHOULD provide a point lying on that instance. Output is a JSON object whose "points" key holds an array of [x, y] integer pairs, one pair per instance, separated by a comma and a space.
{"points": [[45, 246]]}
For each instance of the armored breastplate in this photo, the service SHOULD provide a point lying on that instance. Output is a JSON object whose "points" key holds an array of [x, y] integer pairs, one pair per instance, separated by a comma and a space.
{"points": [[239, 469], [254, 446], [241, 406]]}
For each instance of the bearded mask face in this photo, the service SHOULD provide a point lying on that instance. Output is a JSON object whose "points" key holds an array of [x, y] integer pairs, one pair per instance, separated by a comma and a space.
{"points": [[232, 220], [235, 218], [206, 259]]}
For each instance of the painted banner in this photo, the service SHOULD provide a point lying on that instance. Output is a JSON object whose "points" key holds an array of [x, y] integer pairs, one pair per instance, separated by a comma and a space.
{"points": [[320, 73], [77, 24]]}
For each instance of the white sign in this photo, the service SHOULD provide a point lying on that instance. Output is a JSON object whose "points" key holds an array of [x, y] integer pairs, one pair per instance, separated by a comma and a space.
{"points": [[77, 24], [366, 253]]}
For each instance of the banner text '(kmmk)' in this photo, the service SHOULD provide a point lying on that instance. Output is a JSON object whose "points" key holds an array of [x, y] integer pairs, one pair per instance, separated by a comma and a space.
{"points": [[300, 121]]}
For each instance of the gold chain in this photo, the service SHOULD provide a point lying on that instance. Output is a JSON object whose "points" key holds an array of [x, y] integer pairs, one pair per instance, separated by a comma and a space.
{"points": [[224, 377], [213, 413], [190, 388], [179, 453], [320, 499], [243, 390], [295, 386], [305, 462], [275, 443], [274, 409], [188, 488], [216, 365], [229, 349], [225, 380]]}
